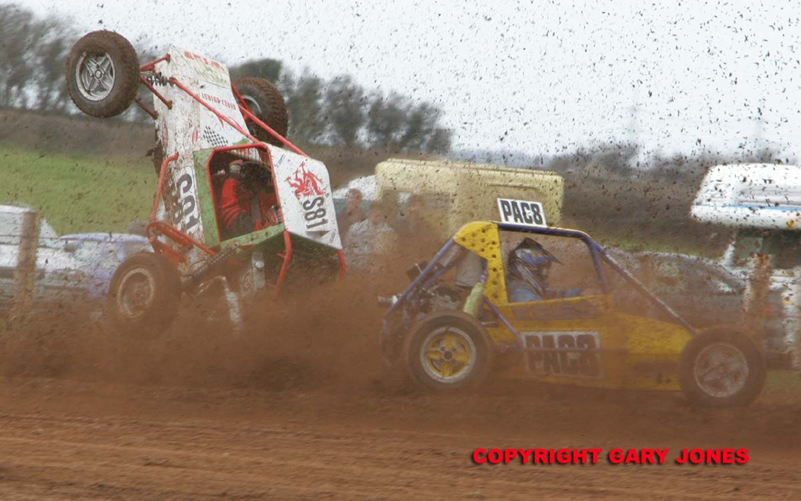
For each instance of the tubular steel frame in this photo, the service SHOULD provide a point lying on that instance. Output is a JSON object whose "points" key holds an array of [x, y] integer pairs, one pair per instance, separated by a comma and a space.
{"points": [[598, 255], [160, 228]]}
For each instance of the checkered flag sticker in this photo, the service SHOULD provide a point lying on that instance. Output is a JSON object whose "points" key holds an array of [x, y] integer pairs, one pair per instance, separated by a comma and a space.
{"points": [[213, 138]]}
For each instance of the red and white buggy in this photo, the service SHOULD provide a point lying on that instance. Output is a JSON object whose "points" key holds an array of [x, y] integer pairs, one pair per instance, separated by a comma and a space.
{"points": [[203, 124]]}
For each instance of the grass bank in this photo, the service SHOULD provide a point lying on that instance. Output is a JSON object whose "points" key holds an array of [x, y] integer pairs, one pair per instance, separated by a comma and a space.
{"points": [[78, 193]]}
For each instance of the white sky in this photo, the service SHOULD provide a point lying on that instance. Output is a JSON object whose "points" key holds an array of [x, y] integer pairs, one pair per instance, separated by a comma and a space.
{"points": [[541, 77]]}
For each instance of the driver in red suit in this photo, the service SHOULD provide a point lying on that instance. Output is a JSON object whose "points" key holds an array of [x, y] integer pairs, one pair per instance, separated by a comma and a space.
{"points": [[248, 202]]}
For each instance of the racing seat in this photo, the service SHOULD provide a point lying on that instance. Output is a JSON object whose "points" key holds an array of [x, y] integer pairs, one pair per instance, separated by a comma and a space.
{"points": [[217, 181]]}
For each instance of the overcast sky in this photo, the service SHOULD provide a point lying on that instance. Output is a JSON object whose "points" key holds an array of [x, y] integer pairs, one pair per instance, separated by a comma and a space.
{"points": [[541, 77]]}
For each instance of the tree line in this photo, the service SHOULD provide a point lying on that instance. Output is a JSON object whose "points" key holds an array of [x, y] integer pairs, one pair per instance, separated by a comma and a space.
{"points": [[335, 112], [340, 112]]}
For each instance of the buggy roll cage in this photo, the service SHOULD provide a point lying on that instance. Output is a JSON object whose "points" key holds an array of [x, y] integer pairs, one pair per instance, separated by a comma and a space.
{"points": [[156, 228], [429, 275]]}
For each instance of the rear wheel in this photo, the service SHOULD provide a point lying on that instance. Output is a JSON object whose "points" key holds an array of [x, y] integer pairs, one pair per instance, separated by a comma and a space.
{"points": [[102, 74], [266, 102], [144, 295], [448, 350], [721, 368]]}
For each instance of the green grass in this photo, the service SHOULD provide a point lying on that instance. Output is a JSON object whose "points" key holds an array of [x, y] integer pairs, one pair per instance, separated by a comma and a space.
{"points": [[78, 193]]}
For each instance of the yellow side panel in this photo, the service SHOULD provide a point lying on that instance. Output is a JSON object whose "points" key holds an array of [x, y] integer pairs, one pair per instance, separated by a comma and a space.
{"points": [[483, 239], [654, 348], [642, 353]]}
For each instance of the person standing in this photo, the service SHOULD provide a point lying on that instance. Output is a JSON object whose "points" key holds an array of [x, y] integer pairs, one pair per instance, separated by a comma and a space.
{"points": [[370, 244], [419, 238], [352, 213]]}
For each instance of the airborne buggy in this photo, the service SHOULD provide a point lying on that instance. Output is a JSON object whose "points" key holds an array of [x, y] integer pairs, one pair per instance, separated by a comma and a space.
{"points": [[204, 123]]}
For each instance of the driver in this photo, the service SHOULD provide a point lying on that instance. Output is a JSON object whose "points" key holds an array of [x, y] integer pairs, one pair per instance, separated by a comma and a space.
{"points": [[248, 201], [529, 265]]}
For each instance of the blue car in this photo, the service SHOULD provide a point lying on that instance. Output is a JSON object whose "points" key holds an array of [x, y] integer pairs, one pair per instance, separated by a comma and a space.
{"points": [[99, 254]]}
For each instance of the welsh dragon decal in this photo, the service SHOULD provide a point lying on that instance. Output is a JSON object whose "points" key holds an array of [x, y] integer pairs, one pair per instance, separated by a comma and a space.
{"points": [[305, 183]]}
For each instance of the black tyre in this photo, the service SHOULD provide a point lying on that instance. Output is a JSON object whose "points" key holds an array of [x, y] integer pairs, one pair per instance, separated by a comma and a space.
{"points": [[721, 368], [448, 350], [102, 74], [157, 154], [144, 295], [266, 102]]}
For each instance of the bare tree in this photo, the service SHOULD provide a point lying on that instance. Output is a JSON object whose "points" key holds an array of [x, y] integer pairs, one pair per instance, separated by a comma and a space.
{"points": [[20, 32], [421, 122], [345, 103], [49, 56], [339, 112], [268, 69], [439, 141], [304, 99], [385, 120]]}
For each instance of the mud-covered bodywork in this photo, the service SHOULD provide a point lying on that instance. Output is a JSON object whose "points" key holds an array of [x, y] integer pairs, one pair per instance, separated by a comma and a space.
{"points": [[192, 136], [617, 335], [209, 131], [761, 203]]}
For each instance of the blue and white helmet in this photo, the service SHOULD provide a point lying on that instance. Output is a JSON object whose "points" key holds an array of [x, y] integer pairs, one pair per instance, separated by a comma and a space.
{"points": [[530, 262]]}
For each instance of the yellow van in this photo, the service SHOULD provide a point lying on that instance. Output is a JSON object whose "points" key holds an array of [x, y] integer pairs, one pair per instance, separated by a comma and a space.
{"points": [[455, 193]]}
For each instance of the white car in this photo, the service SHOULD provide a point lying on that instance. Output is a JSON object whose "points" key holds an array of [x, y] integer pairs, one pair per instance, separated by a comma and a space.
{"points": [[69, 270], [762, 204]]}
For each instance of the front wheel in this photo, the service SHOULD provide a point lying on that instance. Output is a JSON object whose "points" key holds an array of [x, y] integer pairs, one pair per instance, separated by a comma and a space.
{"points": [[448, 350], [721, 368], [144, 295], [102, 74]]}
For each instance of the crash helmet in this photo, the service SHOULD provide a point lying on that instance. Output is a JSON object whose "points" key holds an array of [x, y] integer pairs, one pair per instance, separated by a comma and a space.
{"points": [[256, 172], [530, 262], [250, 173], [235, 167]]}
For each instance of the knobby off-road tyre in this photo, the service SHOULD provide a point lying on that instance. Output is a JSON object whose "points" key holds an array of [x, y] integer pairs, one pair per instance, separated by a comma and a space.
{"points": [[157, 153], [721, 368], [144, 295], [102, 74], [448, 350], [266, 102]]}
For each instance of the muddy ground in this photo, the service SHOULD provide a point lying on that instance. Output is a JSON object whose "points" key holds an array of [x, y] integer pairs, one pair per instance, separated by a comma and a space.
{"points": [[300, 407]]}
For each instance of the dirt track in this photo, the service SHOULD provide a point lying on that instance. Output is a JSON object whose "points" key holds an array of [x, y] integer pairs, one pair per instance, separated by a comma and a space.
{"points": [[77, 440], [268, 415]]}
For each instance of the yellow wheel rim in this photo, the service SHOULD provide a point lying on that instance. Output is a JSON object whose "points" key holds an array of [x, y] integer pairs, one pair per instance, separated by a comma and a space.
{"points": [[448, 355]]}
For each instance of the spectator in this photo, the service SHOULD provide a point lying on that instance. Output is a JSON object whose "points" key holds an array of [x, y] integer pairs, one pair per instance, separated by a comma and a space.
{"points": [[419, 238], [352, 213], [370, 243]]}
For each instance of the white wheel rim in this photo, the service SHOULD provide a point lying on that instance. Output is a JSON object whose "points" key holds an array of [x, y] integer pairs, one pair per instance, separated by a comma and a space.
{"points": [[95, 74], [253, 105], [721, 370], [136, 293], [448, 355]]}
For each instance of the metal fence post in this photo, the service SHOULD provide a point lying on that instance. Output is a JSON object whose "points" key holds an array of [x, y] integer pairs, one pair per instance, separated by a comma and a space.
{"points": [[756, 294], [792, 309], [25, 273]]}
